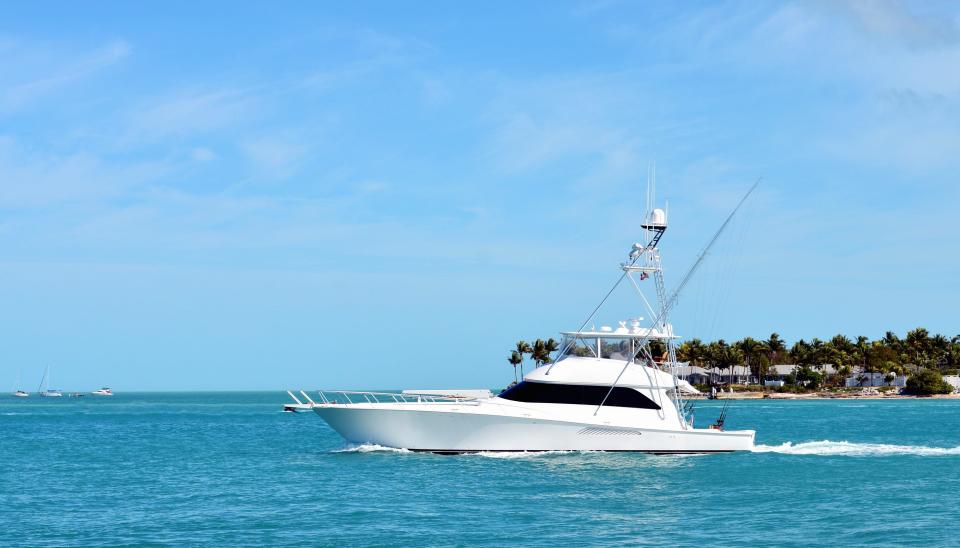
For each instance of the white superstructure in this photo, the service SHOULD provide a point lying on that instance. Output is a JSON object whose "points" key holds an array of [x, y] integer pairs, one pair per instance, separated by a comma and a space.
{"points": [[609, 389]]}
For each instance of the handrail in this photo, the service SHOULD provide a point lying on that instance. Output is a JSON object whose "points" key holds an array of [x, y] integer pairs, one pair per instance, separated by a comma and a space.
{"points": [[327, 397]]}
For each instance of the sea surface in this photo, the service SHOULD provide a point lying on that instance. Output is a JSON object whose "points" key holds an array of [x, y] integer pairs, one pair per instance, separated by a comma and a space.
{"points": [[232, 469]]}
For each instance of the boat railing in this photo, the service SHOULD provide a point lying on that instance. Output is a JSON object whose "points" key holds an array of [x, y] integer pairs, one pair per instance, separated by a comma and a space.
{"points": [[334, 397], [357, 396]]}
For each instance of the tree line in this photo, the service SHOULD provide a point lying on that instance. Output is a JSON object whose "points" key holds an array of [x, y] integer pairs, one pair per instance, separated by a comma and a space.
{"points": [[919, 350], [889, 354]]}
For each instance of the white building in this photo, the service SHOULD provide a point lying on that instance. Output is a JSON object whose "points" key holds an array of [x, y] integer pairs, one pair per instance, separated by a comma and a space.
{"points": [[782, 370], [954, 381], [738, 374], [875, 378]]}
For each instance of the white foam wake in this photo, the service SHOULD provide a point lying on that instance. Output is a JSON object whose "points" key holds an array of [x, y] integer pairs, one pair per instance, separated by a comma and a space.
{"points": [[521, 454], [845, 448], [370, 448]]}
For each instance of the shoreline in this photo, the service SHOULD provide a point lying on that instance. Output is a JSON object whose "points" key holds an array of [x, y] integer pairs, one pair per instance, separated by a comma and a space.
{"points": [[822, 396]]}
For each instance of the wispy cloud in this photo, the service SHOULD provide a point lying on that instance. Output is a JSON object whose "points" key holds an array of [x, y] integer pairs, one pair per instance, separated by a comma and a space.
{"points": [[901, 22], [34, 178], [190, 112], [274, 157], [60, 73]]}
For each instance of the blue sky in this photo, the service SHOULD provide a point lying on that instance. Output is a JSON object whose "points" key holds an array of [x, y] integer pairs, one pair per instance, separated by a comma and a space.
{"points": [[388, 195]]}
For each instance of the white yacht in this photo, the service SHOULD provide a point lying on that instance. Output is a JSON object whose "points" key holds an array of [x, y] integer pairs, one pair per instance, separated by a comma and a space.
{"points": [[44, 390], [103, 392], [609, 389], [17, 392]]}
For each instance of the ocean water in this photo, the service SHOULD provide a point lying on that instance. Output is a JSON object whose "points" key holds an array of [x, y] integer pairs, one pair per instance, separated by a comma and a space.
{"points": [[232, 469]]}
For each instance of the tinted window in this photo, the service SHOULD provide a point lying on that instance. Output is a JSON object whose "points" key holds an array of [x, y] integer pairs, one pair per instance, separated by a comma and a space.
{"points": [[577, 394]]}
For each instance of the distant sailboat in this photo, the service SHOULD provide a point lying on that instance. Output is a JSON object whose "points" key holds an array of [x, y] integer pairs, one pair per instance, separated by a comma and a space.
{"points": [[18, 393], [44, 389]]}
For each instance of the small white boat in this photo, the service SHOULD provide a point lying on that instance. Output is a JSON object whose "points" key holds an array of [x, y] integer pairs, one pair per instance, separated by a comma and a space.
{"points": [[44, 390], [103, 392], [17, 392]]}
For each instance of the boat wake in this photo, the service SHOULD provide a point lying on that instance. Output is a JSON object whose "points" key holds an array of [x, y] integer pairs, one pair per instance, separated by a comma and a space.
{"points": [[847, 449], [370, 448], [521, 454]]}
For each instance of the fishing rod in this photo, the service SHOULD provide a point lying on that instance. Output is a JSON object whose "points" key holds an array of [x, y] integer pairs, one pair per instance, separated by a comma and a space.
{"points": [[722, 418]]}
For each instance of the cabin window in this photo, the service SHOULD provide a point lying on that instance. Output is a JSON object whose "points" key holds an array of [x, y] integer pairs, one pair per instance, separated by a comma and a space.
{"points": [[578, 394]]}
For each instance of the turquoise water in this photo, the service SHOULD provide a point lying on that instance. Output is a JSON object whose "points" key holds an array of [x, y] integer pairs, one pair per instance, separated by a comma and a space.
{"points": [[230, 468]]}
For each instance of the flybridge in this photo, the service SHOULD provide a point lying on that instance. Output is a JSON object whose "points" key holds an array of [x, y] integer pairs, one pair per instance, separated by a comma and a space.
{"points": [[665, 331]]}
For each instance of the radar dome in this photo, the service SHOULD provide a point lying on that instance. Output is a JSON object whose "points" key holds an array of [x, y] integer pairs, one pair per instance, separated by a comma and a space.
{"points": [[658, 217]]}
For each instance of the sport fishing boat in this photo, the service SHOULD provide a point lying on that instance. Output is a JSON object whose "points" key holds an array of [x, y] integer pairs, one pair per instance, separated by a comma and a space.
{"points": [[103, 392], [609, 389]]}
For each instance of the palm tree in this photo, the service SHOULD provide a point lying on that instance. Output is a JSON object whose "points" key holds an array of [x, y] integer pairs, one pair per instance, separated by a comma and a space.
{"points": [[891, 341], [863, 349], [515, 360], [775, 346], [522, 348], [940, 346], [549, 348], [917, 341], [752, 351], [800, 352], [692, 351], [538, 352], [819, 353], [724, 356]]}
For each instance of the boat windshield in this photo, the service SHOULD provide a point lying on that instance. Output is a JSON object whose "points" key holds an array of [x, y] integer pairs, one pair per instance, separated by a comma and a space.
{"points": [[618, 348], [577, 394]]}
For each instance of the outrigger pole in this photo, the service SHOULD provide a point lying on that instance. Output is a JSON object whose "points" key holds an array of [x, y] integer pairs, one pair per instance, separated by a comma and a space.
{"points": [[683, 282]]}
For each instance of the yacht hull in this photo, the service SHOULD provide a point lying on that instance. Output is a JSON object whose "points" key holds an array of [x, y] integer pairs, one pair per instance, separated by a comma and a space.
{"points": [[463, 430]]}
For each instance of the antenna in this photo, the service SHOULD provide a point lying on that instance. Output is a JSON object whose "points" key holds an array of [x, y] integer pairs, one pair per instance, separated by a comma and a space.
{"points": [[649, 205]]}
